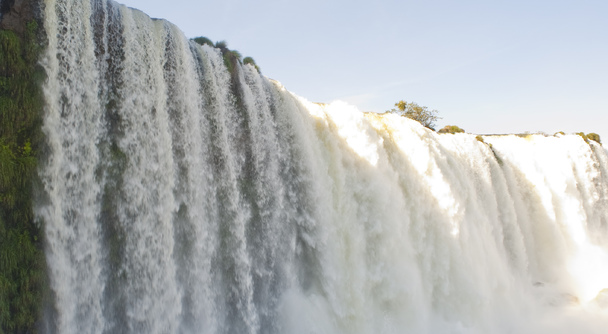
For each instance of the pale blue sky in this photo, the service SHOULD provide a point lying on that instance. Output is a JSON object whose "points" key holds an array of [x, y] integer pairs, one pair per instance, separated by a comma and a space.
{"points": [[488, 66]]}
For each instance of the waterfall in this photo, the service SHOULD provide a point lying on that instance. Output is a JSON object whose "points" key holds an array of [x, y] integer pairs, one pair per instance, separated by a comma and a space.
{"points": [[180, 197]]}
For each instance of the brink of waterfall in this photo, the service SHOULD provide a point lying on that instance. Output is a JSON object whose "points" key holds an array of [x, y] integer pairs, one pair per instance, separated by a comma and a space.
{"points": [[181, 197]]}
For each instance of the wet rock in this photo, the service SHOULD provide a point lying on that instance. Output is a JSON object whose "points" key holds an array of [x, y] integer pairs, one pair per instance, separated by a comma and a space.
{"points": [[16, 13]]}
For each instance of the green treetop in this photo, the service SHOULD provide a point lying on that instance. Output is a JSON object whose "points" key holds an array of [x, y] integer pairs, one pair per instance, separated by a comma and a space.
{"points": [[412, 110]]}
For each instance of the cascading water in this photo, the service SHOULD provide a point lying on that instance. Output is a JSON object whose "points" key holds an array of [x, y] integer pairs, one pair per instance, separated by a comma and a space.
{"points": [[182, 198]]}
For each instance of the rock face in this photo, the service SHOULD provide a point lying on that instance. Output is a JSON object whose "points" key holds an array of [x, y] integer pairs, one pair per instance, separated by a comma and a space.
{"points": [[14, 14]]}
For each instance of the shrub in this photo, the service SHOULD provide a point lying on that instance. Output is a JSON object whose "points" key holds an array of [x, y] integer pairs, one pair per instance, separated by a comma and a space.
{"points": [[250, 61], [203, 40], [595, 137], [233, 54], [222, 45], [412, 110], [231, 57], [584, 136], [451, 129]]}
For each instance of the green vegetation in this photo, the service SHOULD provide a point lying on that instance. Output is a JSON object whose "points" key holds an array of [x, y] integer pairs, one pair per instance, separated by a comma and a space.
{"points": [[412, 110], [590, 136], [231, 57], [222, 45], [22, 264], [595, 137], [451, 129], [250, 61], [203, 40]]}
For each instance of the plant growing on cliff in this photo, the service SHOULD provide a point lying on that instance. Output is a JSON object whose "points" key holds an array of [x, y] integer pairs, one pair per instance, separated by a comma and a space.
{"points": [[203, 40], [412, 110], [231, 57], [590, 136], [22, 263], [250, 61], [451, 129], [595, 137]]}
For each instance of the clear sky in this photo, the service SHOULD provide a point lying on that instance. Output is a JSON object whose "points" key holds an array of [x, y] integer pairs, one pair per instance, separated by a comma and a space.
{"points": [[488, 66]]}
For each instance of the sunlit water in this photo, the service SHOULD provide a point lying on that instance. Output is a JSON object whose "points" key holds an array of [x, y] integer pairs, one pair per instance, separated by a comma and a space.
{"points": [[172, 204]]}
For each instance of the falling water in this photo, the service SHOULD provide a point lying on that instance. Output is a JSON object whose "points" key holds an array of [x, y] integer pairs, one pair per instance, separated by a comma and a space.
{"points": [[180, 197]]}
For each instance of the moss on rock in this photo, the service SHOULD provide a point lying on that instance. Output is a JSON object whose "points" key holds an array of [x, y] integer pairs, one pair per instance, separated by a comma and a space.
{"points": [[23, 282]]}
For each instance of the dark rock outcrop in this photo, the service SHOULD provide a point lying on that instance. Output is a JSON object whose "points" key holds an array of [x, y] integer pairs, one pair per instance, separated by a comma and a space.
{"points": [[16, 13]]}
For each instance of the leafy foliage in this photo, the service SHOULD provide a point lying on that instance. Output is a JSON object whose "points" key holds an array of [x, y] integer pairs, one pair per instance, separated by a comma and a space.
{"points": [[22, 262], [595, 137], [234, 54], [412, 110], [590, 136], [231, 57], [203, 40], [250, 61], [222, 45], [451, 129]]}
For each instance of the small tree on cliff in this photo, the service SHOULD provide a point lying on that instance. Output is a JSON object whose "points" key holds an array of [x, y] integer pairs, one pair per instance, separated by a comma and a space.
{"points": [[203, 40], [249, 60], [412, 110]]}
